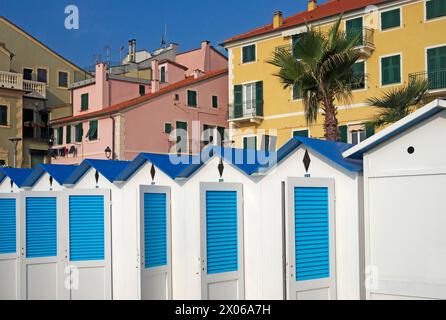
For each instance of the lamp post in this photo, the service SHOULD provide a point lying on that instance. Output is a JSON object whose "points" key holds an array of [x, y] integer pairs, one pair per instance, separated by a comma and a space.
{"points": [[108, 153], [15, 142]]}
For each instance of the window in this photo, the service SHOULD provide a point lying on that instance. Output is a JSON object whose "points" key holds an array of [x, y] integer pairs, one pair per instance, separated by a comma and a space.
{"points": [[436, 68], [60, 135], [354, 29], [142, 90], [27, 74], [214, 102], [167, 128], [250, 143], [221, 135], [63, 79], [391, 19], [208, 134], [248, 100], [297, 94], [3, 115], [177, 97], [42, 75], [92, 133], [191, 98], [181, 133], [163, 74], [269, 143], [249, 53], [355, 134], [391, 70], [68, 134], [84, 102], [79, 132], [294, 41], [435, 9], [301, 133], [249, 96], [359, 74]]}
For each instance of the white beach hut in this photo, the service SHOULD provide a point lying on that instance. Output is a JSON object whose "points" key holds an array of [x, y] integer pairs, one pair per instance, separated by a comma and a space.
{"points": [[11, 181], [404, 183]]}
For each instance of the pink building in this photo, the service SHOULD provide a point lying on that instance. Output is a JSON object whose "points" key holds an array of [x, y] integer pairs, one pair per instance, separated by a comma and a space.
{"points": [[180, 109]]}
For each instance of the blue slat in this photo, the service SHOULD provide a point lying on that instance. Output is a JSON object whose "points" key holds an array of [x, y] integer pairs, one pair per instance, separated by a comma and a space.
{"points": [[221, 231], [41, 227], [86, 228], [312, 233], [7, 226], [155, 230]]}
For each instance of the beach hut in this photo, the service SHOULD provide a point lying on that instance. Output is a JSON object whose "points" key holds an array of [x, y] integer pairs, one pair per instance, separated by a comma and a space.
{"points": [[43, 244], [404, 183], [92, 219], [11, 181]]}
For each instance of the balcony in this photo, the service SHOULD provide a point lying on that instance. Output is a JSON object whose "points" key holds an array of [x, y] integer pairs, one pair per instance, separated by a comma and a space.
{"points": [[11, 80], [34, 130], [248, 111], [366, 40], [436, 79]]}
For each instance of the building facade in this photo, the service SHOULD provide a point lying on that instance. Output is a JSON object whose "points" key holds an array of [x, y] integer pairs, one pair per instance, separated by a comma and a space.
{"points": [[185, 99], [401, 40], [34, 88]]}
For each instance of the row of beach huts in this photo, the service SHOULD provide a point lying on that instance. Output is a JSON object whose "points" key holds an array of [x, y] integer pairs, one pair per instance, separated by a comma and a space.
{"points": [[314, 220]]}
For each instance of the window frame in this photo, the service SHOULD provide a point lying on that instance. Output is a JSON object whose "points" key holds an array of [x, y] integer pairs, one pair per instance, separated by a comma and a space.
{"points": [[6, 115], [165, 74], [196, 99], [88, 102], [68, 135], [381, 85], [142, 90], [96, 138], [300, 130], [59, 140], [365, 75], [32, 73], [165, 127], [255, 53], [426, 61], [392, 28], [47, 75], [215, 106], [76, 133], [426, 20], [248, 137], [58, 79]]}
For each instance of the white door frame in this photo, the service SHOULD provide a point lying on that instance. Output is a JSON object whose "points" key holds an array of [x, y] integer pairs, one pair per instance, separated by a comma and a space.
{"points": [[15, 256], [166, 269], [293, 285], [229, 276], [65, 228]]}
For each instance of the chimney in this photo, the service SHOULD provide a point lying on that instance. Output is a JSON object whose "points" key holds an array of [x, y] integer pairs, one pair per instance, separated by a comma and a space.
{"points": [[278, 19], [206, 51], [155, 76], [132, 50], [197, 73], [102, 84], [312, 4]]}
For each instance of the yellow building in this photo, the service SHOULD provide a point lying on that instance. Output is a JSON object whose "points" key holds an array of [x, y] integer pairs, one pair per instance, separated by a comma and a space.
{"points": [[402, 39]]}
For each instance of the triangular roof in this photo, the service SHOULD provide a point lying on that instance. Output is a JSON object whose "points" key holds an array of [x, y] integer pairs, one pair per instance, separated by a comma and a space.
{"points": [[397, 128], [59, 172], [18, 176], [110, 169]]}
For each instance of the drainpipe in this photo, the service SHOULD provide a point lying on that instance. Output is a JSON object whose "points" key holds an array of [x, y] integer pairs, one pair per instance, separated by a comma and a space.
{"points": [[113, 137]]}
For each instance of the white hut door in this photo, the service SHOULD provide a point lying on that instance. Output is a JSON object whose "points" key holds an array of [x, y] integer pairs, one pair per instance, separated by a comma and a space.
{"points": [[89, 250], [156, 270], [42, 277], [222, 242], [311, 229], [9, 247]]}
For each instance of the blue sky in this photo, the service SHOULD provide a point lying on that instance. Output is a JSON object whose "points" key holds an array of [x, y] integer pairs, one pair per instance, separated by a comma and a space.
{"points": [[112, 23]]}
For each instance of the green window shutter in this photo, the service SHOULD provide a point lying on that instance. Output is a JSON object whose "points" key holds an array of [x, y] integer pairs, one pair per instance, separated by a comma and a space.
{"points": [[93, 131], [142, 90], [238, 101], [191, 98], [390, 19], [343, 134], [221, 134], [359, 73], [84, 102], [391, 70], [436, 68], [435, 9], [214, 102], [369, 130], [297, 94], [249, 53], [167, 128], [163, 74], [354, 28], [60, 135], [301, 133], [295, 40], [250, 143], [68, 134], [259, 98], [79, 132]]}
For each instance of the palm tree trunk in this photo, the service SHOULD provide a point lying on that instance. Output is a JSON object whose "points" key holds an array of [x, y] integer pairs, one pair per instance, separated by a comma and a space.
{"points": [[330, 121]]}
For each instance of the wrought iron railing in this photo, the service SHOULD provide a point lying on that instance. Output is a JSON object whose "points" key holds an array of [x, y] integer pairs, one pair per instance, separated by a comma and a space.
{"points": [[436, 79], [246, 109], [365, 37]]}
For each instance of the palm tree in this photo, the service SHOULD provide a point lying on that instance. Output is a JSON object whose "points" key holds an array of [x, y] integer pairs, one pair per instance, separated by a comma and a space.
{"points": [[398, 103], [322, 74]]}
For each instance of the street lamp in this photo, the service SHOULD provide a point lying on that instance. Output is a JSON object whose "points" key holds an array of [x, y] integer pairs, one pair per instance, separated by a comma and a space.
{"points": [[15, 142], [108, 153]]}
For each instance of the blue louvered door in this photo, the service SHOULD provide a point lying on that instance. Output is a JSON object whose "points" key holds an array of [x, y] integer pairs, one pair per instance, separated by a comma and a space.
{"points": [[9, 247], [156, 275], [89, 238], [312, 242], [41, 252], [222, 242]]}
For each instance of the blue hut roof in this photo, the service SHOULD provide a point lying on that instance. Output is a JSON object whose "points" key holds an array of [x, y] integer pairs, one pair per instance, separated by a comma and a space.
{"points": [[18, 176], [59, 172], [110, 169]]}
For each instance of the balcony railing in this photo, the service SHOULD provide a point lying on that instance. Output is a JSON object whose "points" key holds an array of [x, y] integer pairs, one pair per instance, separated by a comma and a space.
{"points": [[247, 110], [366, 37], [11, 80], [436, 79], [35, 130]]}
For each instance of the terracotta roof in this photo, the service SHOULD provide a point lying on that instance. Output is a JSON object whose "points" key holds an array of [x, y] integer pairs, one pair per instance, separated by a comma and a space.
{"points": [[133, 102], [173, 63], [325, 10]]}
